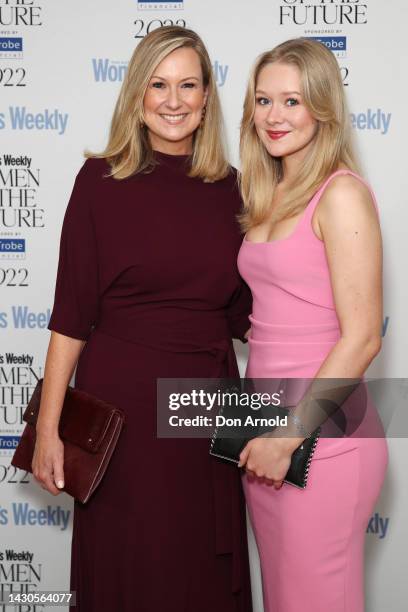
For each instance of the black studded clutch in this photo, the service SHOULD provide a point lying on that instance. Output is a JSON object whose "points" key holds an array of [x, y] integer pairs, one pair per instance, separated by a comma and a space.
{"points": [[229, 440]]}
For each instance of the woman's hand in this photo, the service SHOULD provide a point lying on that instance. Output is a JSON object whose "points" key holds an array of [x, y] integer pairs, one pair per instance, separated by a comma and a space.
{"points": [[267, 458], [48, 462]]}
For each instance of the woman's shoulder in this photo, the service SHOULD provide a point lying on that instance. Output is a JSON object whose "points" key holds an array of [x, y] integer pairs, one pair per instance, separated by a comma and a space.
{"points": [[88, 186], [346, 193], [93, 169], [345, 179]]}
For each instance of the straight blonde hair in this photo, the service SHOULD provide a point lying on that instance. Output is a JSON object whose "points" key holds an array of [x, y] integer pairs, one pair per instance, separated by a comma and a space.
{"points": [[322, 93], [129, 150]]}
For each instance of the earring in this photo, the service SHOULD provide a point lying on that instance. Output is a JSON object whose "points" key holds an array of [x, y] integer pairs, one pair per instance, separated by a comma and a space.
{"points": [[203, 115]]}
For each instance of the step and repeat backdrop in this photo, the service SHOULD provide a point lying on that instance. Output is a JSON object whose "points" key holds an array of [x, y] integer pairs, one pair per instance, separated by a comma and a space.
{"points": [[61, 67]]}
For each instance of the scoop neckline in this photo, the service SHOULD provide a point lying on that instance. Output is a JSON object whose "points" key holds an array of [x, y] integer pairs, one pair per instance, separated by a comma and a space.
{"points": [[303, 215], [277, 240]]}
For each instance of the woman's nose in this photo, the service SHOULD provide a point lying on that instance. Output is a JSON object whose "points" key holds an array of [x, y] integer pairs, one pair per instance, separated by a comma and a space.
{"points": [[173, 98], [275, 114]]}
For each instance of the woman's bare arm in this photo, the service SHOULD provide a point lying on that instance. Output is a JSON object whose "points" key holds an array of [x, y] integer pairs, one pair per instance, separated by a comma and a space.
{"points": [[62, 356]]}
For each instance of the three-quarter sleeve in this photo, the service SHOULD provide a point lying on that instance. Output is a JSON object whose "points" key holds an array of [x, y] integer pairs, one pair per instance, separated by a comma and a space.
{"points": [[239, 310], [75, 307]]}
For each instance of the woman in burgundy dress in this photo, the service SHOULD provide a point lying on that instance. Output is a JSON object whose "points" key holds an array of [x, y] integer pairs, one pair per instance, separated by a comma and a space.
{"points": [[147, 287]]}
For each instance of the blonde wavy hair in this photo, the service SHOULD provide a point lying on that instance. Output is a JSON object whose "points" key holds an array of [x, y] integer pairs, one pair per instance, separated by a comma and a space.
{"points": [[322, 93], [129, 150]]}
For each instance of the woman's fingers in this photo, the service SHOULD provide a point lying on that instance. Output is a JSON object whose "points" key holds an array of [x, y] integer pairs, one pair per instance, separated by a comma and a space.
{"points": [[50, 486], [243, 457], [58, 474], [44, 478], [47, 464], [263, 463]]}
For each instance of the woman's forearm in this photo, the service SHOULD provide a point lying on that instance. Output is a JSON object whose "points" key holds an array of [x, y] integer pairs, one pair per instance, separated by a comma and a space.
{"points": [[350, 358], [62, 356], [338, 376]]}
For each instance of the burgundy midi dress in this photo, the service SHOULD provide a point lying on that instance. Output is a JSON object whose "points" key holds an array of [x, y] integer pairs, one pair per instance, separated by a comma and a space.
{"points": [[147, 276]]}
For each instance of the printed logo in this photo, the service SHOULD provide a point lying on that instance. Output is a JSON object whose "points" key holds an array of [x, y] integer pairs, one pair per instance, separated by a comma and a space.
{"points": [[9, 442], [12, 248], [11, 48], [23, 318], [378, 525], [108, 70], [21, 119], [336, 44], [19, 185], [375, 120], [113, 71], [312, 13], [20, 13], [159, 5], [22, 514]]}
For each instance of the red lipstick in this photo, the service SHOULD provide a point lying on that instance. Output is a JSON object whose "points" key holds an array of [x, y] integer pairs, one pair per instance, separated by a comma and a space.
{"points": [[276, 135]]}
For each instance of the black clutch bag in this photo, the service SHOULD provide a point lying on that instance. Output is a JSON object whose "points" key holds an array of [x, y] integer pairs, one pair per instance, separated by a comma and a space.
{"points": [[227, 443]]}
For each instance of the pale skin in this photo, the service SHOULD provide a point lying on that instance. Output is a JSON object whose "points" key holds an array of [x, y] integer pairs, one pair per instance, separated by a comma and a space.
{"points": [[173, 108], [346, 221]]}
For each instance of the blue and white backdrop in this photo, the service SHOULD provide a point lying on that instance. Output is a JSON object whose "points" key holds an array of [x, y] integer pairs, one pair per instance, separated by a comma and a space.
{"points": [[61, 66]]}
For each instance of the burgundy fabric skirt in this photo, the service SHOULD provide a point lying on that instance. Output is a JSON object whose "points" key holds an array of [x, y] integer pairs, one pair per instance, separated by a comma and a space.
{"points": [[165, 530]]}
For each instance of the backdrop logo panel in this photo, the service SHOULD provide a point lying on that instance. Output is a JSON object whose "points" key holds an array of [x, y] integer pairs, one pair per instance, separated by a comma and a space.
{"points": [[8, 444], [11, 47], [19, 185], [12, 248], [327, 22], [337, 44]]}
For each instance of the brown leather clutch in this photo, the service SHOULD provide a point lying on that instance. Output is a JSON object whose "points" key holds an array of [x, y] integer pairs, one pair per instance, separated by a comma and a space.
{"points": [[89, 429]]}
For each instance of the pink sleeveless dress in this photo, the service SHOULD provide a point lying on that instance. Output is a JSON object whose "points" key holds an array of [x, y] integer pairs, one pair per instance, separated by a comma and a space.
{"points": [[310, 542]]}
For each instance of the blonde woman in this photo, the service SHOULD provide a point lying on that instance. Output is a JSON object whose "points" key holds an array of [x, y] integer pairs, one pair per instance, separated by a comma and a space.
{"points": [[148, 287], [312, 258]]}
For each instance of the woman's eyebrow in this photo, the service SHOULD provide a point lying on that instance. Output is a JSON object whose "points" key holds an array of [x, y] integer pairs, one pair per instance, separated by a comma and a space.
{"points": [[283, 93], [156, 76]]}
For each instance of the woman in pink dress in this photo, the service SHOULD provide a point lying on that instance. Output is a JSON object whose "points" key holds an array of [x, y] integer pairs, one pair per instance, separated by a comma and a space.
{"points": [[313, 259]]}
